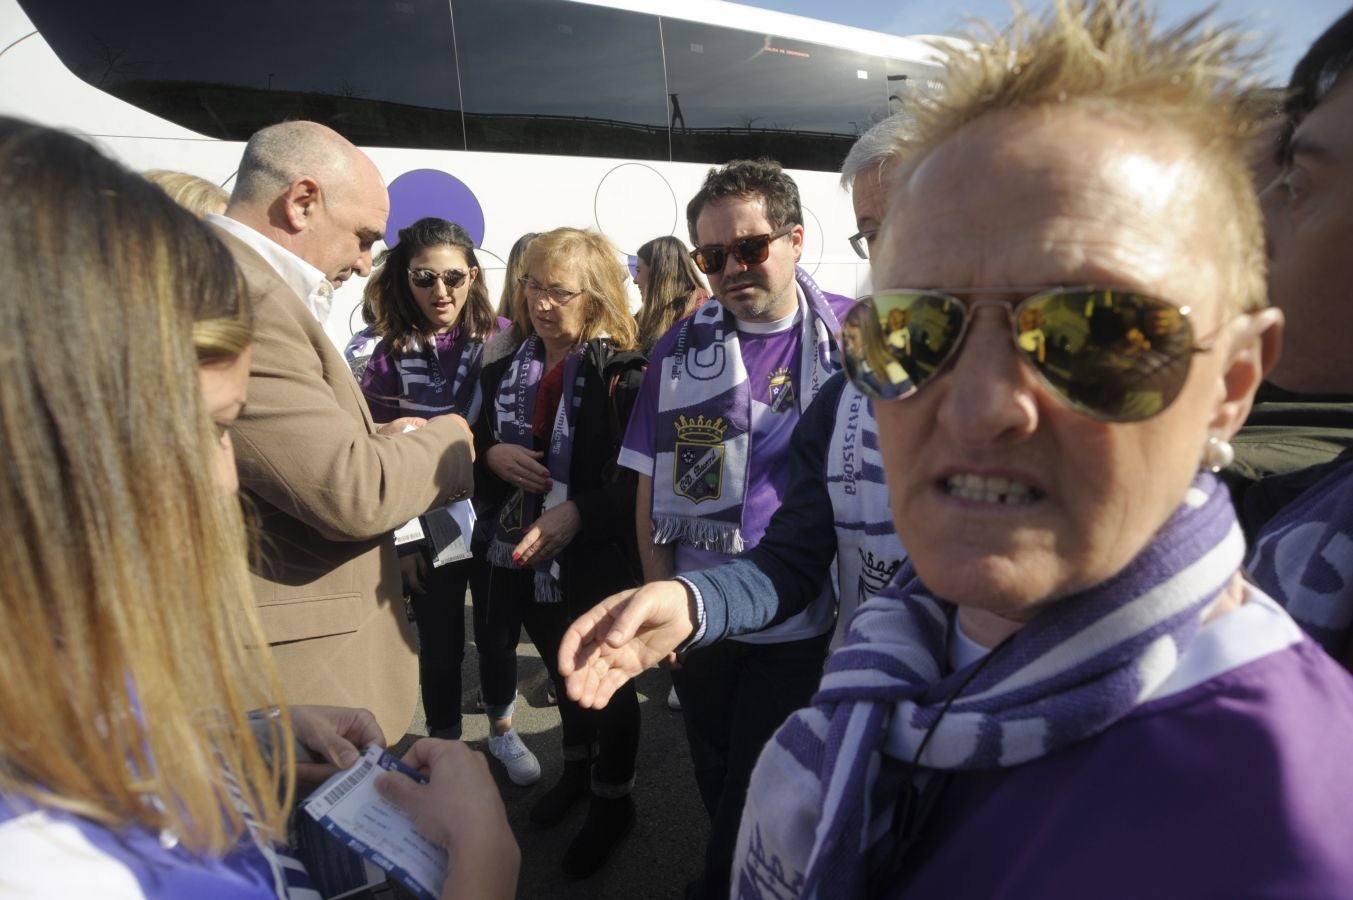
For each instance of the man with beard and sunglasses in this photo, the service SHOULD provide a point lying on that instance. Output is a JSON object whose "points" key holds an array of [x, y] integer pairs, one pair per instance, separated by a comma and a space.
{"points": [[709, 438], [835, 490], [328, 486]]}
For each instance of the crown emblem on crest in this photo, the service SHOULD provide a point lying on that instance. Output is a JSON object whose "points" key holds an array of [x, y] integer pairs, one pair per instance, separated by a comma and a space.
{"points": [[876, 572], [700, 430]]}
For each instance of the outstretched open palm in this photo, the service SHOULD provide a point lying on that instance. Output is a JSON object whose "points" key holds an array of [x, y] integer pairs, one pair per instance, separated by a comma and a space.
{"points": [[622, 636]]}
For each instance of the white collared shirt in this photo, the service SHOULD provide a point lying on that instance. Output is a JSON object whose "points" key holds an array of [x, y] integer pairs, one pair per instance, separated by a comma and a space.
{"points": [[307, 281]]}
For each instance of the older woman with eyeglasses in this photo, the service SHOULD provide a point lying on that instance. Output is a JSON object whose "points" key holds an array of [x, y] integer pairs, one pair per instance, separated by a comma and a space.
{"points": [[559, 389], [1072, 690]]}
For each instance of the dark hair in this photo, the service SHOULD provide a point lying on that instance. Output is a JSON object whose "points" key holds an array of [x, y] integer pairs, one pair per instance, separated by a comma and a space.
{"points": [[398, 318], [1315, 76], [745, 179], [674, 287]]}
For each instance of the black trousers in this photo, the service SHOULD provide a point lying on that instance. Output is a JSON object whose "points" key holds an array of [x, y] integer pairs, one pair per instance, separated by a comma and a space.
{"points": [[439, 613], [610, 736]]}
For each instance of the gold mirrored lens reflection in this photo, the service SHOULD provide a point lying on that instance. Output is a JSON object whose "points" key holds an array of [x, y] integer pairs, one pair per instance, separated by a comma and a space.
{"points": [[1116, 356], [904, 338]]}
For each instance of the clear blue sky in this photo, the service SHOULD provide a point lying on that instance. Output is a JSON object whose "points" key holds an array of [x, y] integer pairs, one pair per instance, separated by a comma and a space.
{"points": [[1288, 26]]}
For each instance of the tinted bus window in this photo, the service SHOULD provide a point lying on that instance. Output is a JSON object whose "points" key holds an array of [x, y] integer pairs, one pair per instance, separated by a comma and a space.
{"points": [[737, 94], [382, 74], [539, 76], [908, 81]]}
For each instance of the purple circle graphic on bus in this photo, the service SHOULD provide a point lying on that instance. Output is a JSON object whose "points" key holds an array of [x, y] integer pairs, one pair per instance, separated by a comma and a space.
{"points": [[429, 192]]}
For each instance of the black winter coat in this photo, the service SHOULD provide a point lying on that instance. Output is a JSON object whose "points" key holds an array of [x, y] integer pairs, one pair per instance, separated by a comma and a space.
{"points": [[603, 557]]}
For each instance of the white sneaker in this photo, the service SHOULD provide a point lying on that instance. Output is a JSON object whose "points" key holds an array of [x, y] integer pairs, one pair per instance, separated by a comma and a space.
{"points": [[673, 701], [522, 765]]}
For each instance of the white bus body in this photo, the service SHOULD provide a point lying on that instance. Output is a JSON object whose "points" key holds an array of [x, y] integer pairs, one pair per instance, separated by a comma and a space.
{"points": [[474, 116]]}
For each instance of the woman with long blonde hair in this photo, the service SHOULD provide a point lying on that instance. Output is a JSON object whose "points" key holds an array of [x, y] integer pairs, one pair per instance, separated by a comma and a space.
{"points": [[130, 763], [125, 681]]}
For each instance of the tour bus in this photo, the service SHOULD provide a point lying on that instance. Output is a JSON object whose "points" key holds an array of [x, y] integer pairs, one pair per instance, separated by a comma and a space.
{"points": [[506, 116]]}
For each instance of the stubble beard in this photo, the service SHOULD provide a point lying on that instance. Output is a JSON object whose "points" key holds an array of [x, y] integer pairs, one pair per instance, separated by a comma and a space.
{"points": [[762, 306]]}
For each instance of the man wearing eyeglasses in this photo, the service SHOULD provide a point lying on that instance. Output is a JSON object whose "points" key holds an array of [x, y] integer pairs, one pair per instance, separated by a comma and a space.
{"points": [[865, 175], [709, 439], [328, 488]]}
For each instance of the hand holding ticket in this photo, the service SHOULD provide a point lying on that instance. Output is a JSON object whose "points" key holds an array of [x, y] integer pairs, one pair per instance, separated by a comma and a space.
{"points": [[351, 809], [437, 811]]}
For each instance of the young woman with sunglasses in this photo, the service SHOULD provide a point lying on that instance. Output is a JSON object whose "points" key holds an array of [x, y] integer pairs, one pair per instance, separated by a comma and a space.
{"points": [[1073, 690], [433, 315]]}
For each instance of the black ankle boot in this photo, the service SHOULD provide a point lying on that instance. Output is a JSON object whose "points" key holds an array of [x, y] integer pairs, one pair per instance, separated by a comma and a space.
{"points": [[570, 790], [608, 821]]}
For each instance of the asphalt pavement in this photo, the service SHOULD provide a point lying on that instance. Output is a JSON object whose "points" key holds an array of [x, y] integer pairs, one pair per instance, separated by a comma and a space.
{"points": [[665, 850]]}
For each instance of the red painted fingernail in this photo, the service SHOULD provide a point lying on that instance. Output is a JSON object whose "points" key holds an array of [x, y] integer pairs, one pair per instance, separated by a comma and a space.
{"points": [[516, 557]]}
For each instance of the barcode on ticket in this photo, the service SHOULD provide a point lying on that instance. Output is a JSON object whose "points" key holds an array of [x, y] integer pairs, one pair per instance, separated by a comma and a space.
{"points": [[337, 791]]}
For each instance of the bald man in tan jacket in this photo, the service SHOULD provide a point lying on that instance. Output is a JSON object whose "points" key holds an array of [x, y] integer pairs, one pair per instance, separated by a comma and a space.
{"points": [[328, 486]]}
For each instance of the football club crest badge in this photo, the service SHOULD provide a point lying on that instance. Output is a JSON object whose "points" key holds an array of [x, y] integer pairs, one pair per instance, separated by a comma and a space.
{"points": [[513, 512], [697, 470], [781, 390], [875, 573]]}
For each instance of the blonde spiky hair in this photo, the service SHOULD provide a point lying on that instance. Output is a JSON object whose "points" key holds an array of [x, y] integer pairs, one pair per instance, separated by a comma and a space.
{"points": [[1109, 58]]}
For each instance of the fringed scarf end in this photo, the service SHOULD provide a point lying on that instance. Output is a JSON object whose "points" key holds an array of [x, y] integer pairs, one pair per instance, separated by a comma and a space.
{"points": [[500, 555], [703, 534], [547, 588]]}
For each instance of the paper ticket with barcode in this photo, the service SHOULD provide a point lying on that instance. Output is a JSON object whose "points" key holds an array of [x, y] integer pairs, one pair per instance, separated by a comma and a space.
{"points": [[349, 808]]}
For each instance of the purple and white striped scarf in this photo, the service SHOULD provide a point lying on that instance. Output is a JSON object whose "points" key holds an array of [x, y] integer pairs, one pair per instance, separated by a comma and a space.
{"points": [[427, 391], [704, 419], [813, 816], [436, 375], [514, 410], [868, 551]]}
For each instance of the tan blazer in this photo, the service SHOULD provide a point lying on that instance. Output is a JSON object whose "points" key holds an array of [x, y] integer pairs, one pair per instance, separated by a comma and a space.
{"points": [[328, 491]]}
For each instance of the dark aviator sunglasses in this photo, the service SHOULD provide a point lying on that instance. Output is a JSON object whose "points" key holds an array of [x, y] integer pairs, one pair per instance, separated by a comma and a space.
{"points": [[1114, 355]]}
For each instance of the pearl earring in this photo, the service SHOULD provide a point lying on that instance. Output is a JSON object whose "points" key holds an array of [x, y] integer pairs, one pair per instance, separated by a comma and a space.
{"points": [[1217, 454]]}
